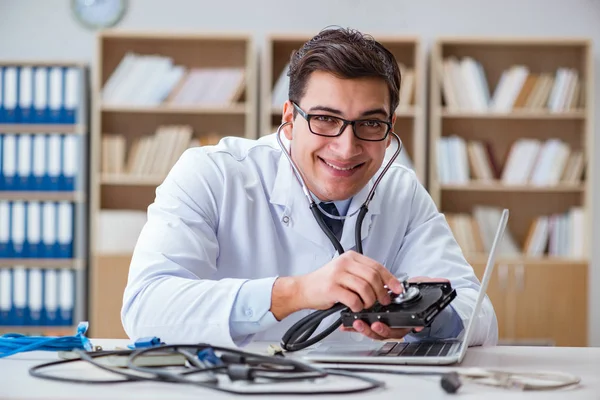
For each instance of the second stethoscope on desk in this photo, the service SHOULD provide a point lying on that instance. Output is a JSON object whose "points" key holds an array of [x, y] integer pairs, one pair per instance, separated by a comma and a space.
{"points": [[298, 336]]}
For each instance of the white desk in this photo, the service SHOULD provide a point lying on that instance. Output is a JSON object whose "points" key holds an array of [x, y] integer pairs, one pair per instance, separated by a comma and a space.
{"points": [[15, 382]]}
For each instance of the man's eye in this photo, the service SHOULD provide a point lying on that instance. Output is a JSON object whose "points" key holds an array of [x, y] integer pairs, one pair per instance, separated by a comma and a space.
{"points": [[372, 124], [324, 118]]}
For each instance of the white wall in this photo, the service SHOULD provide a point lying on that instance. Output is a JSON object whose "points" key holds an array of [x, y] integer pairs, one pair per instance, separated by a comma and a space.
{"points": [[45, 29]]}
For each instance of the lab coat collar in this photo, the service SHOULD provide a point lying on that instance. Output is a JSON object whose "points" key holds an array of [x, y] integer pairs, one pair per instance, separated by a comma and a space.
{"points": [[287, 192]]}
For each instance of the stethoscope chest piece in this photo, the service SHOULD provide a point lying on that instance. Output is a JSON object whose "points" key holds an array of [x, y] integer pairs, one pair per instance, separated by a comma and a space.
{"points": [[408, 296]]}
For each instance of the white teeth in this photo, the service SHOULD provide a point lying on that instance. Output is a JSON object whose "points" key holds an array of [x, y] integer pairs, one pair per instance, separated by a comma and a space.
{"points": [[338, 168]]}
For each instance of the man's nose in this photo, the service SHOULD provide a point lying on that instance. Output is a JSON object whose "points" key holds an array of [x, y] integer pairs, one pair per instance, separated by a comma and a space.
{"points": [[347, 144]]}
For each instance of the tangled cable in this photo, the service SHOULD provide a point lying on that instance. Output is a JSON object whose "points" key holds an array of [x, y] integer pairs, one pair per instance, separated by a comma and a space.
{"points": [[13, 343], [207, 366]]}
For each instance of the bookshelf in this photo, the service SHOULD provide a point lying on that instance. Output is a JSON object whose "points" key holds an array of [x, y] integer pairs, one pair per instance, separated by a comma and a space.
{"points": [[410, 115], [43, 196], [156, 94], [511, 127]]}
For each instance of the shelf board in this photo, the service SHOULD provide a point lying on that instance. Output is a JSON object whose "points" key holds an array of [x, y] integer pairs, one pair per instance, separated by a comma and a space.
{"points": [[523, 259], [514, 114], [42, 128], [75, 263], [131, 180], [495, 186], [45, 330], [43, 196], [167, 109]]}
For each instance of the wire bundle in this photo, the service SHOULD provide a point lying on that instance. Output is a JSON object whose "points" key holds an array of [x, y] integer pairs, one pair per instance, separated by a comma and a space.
{"points": [[13, 343], [206, 364]]}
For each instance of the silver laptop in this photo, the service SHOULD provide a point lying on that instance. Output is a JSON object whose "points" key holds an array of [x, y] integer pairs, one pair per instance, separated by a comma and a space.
{"points": [[434, 352]]}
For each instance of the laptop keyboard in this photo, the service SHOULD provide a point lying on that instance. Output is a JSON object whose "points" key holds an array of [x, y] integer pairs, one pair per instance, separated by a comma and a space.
{"points": [[423, 349]]}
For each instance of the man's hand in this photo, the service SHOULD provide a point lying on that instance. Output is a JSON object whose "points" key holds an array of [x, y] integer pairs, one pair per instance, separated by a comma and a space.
{"points": [[379, 330], [351, 279]]}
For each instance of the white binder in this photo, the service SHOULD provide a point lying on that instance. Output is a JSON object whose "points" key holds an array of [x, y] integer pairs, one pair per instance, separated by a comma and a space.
{"points": [[10, 94], [40, 96], [40, 170], [25, 114], [54, 160], [34, 296], [56, 97], [9, 161], [50, 306], [4, 228], [6, 296], [49, 229], [24, 163], [18, 229], [65, 229], [19, 295]]}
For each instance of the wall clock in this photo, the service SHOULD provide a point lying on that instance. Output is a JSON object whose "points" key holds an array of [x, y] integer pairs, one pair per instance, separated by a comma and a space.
{"points": [[98, 14]]}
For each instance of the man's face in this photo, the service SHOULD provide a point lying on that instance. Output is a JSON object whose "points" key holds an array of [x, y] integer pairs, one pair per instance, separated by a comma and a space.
{"points": [[336, 168]]}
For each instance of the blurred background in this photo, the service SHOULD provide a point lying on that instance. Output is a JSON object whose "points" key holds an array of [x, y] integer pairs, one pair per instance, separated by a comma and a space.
{"points": [[99, 98]]}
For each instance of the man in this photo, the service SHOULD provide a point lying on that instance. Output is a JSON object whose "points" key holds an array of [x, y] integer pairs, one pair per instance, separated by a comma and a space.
{"points": [[231, 252]]}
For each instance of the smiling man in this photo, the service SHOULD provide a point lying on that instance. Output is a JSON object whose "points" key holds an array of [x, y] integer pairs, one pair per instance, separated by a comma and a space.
{"points": [[231, 251]]}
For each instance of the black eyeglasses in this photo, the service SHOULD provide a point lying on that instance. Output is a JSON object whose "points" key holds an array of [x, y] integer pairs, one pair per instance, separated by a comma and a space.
{"points": [[372, 130]]}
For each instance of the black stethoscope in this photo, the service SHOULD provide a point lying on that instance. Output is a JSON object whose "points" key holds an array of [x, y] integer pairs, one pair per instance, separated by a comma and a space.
{"points": [[299, 335]]}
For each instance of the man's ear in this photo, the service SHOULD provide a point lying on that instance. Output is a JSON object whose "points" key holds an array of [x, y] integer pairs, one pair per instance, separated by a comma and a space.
{"points": [[288, 116]]}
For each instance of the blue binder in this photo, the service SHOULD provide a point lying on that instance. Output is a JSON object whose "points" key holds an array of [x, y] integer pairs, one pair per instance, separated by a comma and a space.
{"points": [[41, 100], [67, 297], [50, 299], [56, 95], [1, 94], [6, 296], [25, 110], [11, 94]]}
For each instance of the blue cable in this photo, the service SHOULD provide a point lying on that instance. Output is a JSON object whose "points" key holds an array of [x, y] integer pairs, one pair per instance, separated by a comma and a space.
{"points": [[13, 343]]}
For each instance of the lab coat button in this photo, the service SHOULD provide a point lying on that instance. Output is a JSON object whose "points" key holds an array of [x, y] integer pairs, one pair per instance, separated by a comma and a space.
{"points": [[249, 312], [286, 219]]}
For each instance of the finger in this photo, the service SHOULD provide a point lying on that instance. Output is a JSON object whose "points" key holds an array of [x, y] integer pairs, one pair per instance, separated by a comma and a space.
{"points": [[373, 277], [385, 331], [359, 286], [349, 298], [364, 329], [385, 276]]}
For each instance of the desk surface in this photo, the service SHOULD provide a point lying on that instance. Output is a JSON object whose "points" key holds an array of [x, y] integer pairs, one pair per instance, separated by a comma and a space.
{"points": [[15, 382]]}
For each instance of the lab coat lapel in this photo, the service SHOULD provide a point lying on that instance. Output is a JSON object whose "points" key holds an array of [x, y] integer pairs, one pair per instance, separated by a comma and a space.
{"points": [[287, 192]]}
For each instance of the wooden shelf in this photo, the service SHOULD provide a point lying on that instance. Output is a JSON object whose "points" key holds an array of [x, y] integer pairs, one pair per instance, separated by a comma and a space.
{"points": [[517, 279], [168, 109], [134, 123], [42, 128], [77, 264], [498, 187], [76, 197], [131, 180], [515, 114]]}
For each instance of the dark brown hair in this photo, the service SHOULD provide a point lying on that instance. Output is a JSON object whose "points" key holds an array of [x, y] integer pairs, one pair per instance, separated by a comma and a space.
{"points": [[345, 53]]}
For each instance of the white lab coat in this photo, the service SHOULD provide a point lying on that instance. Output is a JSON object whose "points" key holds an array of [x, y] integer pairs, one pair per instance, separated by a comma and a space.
{"points": [[235, 212]]}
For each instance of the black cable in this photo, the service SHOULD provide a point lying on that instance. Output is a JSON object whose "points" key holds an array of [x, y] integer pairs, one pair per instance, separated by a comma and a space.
{"points": [[298, 336], [240, 366], [450, 381], [89, 357]]}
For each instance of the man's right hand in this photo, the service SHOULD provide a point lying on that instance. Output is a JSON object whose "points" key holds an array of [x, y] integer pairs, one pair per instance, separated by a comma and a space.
{"points": [[351, 279]]}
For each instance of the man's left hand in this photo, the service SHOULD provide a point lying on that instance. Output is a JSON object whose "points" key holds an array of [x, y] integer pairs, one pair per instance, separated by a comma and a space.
{"points": [[379, 330]]}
